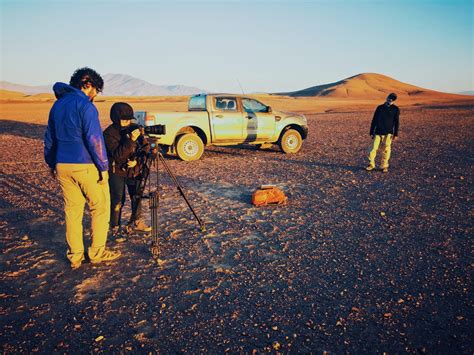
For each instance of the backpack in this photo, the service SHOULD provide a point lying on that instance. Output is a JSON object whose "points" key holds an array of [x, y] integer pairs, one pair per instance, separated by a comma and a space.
{"points": [[268, 195]]}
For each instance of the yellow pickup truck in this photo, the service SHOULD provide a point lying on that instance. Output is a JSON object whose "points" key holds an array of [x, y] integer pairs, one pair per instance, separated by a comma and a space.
{"points": [[225, 119]]}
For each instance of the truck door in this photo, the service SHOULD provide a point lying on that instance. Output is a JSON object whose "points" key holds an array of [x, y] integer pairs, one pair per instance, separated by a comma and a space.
{"points": [[260, 124], [226, 119]]}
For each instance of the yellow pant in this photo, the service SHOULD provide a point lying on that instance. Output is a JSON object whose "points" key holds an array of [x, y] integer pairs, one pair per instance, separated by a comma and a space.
{"points": [[79, 183], [386, 142]]}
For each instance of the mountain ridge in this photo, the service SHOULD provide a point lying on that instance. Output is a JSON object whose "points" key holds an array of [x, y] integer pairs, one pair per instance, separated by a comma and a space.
{"points": [[359, 86], [114, 85], [127, 85], [363, 86]]}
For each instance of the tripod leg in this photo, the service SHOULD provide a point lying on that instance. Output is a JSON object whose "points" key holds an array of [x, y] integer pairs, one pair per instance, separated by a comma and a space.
{"points": [[153, 203], [180, 189], [155, 250]]}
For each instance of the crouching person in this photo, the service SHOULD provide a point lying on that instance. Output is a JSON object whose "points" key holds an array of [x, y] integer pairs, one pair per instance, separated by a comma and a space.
{"points": [[124, 170]]}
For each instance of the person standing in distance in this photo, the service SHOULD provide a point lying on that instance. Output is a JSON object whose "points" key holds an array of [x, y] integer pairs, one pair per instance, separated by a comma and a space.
{"points": [[384, 130], [74, 149]]}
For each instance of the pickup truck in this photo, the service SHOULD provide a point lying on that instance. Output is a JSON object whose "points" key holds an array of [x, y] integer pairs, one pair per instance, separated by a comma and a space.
{"points": [[225, 119]]}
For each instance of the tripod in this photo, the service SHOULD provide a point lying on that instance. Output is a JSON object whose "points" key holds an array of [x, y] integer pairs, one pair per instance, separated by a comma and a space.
{"points": [[151, 160]]}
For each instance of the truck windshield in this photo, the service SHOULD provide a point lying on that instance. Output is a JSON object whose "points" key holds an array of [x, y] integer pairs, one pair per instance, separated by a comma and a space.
{"points": [[197, 103]]}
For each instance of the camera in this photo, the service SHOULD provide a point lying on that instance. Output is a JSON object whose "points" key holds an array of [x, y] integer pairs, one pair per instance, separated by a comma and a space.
{"points": [[156, 129]]}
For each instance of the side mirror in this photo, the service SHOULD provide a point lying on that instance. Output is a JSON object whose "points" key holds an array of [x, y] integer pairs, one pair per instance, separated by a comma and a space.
{"points": [[269, 109]]}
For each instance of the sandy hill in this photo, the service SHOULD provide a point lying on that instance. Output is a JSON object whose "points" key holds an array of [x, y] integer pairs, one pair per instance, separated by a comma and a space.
{"points": [[369, 86], [16, 96], [9, 94]]}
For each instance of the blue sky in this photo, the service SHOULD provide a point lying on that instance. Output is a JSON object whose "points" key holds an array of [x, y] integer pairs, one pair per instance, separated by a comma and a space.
{"points": [[268, 46]]}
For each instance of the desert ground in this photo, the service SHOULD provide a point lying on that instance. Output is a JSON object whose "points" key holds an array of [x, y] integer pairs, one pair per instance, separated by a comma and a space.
{"points": [[355, 262]]}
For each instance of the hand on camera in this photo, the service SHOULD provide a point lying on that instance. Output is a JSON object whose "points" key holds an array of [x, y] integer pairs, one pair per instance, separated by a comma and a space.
{"points": [[131, 163], [135, 134]]}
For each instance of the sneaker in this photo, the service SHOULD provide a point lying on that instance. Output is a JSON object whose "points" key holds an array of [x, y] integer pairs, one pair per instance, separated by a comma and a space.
{"points": [[77, 264], [107, 255], [384, 170], [120, 239], [140, 226], [370, 167], [116, 234]]}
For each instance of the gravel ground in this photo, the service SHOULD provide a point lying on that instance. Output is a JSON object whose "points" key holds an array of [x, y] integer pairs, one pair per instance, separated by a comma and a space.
{"points": [[355, 262]]}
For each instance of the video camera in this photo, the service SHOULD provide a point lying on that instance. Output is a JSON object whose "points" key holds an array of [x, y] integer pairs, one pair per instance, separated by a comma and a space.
{"points": [[158, 129], [146, 146]]}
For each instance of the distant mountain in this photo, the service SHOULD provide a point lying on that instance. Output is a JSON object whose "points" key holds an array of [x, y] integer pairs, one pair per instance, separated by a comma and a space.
{"points": [[26, 89], [364, 86], [126, 85], [115, 85], [361, 86]]}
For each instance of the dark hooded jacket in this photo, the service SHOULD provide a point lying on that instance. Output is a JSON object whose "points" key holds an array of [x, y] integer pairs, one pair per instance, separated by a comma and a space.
{"points": [[74, 135], [119, 149], [385, 121]]}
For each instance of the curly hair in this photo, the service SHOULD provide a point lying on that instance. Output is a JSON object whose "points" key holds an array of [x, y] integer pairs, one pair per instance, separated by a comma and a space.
{"points": [[83, 76]]}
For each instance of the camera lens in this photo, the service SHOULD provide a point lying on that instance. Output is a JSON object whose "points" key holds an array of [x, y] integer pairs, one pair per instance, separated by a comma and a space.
{"points": [[156, 129]]}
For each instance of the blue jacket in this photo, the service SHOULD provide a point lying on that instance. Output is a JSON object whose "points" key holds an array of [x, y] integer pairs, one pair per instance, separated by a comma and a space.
{"points": [[74, 134]]}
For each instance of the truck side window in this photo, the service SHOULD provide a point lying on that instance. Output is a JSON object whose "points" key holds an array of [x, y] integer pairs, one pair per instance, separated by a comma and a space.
{"points": [[220, 104], [251, 105], [197, 103], [226, 103]]}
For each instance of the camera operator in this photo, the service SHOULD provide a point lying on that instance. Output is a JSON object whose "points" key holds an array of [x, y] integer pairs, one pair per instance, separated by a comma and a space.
{"points": [[122, 142]]}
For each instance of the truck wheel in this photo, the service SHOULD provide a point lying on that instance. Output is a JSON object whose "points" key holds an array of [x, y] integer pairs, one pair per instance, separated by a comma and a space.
{"points": [[189, 147], [291, 141]]}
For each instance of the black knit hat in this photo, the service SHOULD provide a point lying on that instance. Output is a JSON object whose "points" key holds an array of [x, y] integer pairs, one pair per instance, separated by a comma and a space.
{"points": [[121, 111]]}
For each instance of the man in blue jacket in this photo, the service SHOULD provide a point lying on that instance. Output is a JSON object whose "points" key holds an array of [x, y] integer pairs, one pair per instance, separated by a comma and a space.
{"points": [[384, 130], [75, 151]]}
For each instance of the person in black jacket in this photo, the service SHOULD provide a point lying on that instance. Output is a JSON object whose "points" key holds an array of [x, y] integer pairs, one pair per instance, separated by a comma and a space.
{"points": [[121, 145], [384, 130]]}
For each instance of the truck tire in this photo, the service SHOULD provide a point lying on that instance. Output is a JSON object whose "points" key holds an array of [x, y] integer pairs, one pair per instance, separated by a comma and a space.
{"points": [[189, 147], [291, 141]]}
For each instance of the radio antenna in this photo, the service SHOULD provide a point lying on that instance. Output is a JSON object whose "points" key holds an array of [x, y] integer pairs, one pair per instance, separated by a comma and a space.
{"points": [[240, 87]]}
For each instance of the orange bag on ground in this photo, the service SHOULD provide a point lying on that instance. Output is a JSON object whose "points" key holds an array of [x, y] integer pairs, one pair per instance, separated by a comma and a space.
{"points": [[268, 195]]}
